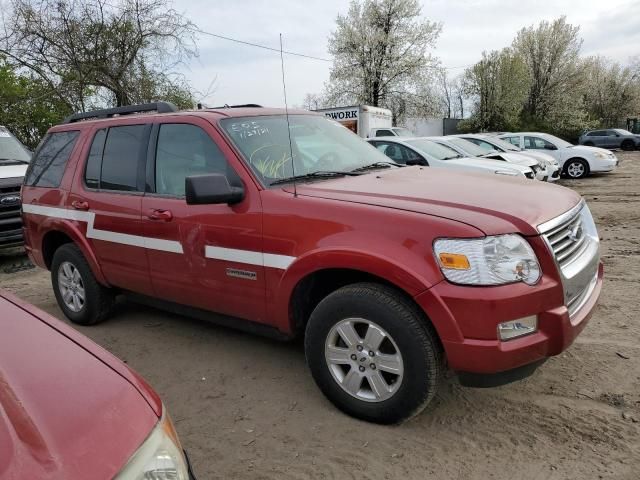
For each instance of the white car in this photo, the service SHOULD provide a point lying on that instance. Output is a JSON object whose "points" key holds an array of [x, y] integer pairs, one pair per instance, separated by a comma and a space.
{"points": [[421, 151], [576, 161], [391, 132], [471, 150], [14, 160], [492, 143]]}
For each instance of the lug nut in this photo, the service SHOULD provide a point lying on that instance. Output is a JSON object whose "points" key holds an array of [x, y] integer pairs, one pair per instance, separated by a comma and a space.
{"points": [[353, 356], [373, 366], [361, 368], [359, 348], [371, 354]]}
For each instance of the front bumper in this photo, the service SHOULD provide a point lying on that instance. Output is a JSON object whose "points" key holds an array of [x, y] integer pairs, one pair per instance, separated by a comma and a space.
{"points": [[468, 326], [605, 165]]}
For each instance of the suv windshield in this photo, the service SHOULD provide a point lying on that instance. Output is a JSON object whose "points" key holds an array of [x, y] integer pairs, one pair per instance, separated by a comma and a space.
{"points": [[317, 144], [11, 149], [469, 147], [622, 132], [436, 150]]}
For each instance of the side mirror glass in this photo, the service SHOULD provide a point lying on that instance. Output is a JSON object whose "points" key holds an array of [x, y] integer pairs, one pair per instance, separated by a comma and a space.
{"points": [[550, 147], [211, 189]]}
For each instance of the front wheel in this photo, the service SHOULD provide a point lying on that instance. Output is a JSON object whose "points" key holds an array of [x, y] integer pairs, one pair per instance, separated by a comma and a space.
{"points": [[628, 145], [372, 353], [576, 168]]}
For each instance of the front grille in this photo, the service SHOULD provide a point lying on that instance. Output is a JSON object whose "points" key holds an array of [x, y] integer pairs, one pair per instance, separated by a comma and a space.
{"points": [[573, 240], [10, 215], [567, 240]]}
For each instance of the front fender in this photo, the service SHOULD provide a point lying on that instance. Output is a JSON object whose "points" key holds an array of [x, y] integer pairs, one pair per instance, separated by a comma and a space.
{"points": [[410, 273]]}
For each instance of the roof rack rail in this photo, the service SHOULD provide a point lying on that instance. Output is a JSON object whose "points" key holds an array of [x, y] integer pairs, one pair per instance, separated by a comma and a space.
{"points": [[245, 105], [159, 107]]}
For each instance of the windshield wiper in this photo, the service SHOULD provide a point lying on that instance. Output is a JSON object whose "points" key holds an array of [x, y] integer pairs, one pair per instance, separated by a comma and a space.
{"points": [[318, 174], [375, 165]]}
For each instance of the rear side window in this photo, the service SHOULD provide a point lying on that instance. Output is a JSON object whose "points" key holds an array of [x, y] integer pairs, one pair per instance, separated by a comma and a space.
{"points": [[48, 164], [121, 156], [114, 158]]}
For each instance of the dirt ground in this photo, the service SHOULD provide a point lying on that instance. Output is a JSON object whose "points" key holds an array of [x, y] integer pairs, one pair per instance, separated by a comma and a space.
{"points": [[246, 407]]}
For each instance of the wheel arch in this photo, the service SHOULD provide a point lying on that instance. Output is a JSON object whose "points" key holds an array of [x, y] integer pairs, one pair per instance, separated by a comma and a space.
{"points": [[66, 232], [565, 166]]}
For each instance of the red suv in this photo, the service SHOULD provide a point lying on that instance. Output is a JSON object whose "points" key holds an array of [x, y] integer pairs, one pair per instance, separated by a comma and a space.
{"points": [[287, 224]]}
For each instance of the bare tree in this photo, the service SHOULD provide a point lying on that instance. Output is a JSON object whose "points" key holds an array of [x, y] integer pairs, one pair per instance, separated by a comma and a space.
{"points": [[451, 95], [81, 47], [381, 56]]}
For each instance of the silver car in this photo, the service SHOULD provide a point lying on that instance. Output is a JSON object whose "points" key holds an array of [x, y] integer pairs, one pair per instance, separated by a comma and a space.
{"points": [[611, 138]]}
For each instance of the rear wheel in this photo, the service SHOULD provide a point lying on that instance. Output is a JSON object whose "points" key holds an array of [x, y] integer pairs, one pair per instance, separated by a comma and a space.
{"points": [[82, 299], [576, 168], [628, 145], [372, 353]]}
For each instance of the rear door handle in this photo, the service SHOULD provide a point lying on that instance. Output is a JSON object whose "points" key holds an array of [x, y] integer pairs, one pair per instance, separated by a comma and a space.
{"points": [[80, 205], [156, 214]]}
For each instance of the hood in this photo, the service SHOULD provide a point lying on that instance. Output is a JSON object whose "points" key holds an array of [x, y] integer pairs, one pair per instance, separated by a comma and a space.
{"points": [[588, 150], [64, 412], [485, 164], [13, 171], [495, 204], [516, 158]]}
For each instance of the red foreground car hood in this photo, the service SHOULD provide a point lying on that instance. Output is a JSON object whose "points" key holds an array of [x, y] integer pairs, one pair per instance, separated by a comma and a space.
{"points": [[65, 413], [494, 204]]}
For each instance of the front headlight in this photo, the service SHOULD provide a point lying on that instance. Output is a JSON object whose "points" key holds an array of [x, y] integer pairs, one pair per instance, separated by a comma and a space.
{"points": [[601, 155], [494, 260], [160, 457]]}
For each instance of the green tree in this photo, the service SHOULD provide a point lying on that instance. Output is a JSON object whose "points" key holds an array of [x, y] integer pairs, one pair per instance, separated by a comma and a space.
{"points": [[613, 91], [498, 84], [28, 106], [81, 48], [556, 80], [381, 57]]}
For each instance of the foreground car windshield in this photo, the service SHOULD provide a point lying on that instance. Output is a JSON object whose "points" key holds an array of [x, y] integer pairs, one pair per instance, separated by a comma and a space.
{"points": [[434, 149], [317, 144], [12, 149]]}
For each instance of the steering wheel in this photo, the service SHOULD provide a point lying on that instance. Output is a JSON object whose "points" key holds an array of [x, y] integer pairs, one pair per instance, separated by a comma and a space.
{"points": [[328, 161]]}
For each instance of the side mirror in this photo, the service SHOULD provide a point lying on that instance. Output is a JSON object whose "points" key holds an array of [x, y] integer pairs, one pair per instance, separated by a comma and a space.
{"points": [[211, 188], [550, 147]]}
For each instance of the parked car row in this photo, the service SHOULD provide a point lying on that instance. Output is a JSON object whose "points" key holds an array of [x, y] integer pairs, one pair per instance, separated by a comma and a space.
{"points": [[287, 224], [576, 161]]}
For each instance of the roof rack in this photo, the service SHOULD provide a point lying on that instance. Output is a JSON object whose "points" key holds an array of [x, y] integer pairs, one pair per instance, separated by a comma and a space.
{"points": [[245, 105], [159, 107]]}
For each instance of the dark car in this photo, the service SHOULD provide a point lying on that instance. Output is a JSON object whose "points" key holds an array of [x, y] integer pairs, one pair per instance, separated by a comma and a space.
{"points": [[611, 138]]}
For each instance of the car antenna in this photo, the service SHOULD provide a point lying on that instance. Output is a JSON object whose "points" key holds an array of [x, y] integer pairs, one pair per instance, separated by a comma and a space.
{"points": [[286, 111]]}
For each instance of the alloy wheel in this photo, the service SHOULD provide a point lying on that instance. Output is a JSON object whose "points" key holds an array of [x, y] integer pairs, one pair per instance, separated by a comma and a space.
{"points": [[364, 360], [576, 170], [71, 287]]}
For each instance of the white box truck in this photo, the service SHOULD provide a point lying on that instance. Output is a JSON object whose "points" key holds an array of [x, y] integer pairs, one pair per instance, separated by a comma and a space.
{"points": [[362, 119]]}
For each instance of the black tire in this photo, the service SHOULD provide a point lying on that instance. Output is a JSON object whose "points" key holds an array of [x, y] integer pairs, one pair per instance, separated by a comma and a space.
{"points": [[416, 341], [99, 300], [575, 168], [628, 145]]}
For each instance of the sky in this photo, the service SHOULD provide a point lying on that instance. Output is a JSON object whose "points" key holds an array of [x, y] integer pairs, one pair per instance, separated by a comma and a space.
{"points": [[231, 73]]}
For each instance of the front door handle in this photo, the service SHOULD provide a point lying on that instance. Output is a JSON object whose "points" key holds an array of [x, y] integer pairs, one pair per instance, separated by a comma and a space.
{"points": [[157, 214], [80, 205]]}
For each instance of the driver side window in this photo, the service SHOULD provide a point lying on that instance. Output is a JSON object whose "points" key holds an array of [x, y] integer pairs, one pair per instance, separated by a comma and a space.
{"points": [[184, 150]]}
